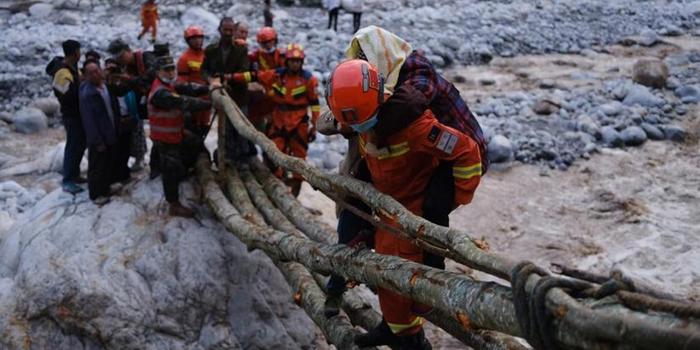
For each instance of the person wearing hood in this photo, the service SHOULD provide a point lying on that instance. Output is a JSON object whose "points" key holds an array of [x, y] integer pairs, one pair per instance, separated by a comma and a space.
{"points": [[177, 147], [411, 85]]}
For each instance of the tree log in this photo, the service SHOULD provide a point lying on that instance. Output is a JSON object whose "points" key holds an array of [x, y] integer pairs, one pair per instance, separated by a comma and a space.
{"points": [[338, 330]]}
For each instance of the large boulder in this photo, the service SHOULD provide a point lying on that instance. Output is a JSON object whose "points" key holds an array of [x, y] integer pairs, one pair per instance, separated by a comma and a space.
{"points": [[126, 276], [650, 72], [197, 15], [640, 95], [611, 137], [29, 121], [41, 10], [688, 93], [500, 149], [48, 105], [633, 136]]}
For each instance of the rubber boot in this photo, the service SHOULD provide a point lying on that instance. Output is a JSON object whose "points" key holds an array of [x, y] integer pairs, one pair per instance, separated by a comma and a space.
{"points": [[416, 341], [177, 209], [380, 335]]}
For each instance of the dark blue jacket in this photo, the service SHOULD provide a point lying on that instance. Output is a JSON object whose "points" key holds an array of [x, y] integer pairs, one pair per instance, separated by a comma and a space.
{"points": [[93, 111]]}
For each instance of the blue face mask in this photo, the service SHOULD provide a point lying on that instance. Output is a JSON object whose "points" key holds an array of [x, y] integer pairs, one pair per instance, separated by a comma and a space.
{"points": [[365, 126]]}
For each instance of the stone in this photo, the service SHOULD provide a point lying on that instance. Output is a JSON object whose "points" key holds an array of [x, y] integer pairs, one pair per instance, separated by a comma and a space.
{"points": [[688, 93], [611, 109], [633, 136], [545, 107], [197, 15], [648, 38], [500, 149], [611, 137], [331, 160], [487, 81], [588, 125], [69, 18], [6, 117], [653, 133], [650, 72], [546, 84], [49, 105], [640, 95], [40, 10], [29, 121], [673, 133]]}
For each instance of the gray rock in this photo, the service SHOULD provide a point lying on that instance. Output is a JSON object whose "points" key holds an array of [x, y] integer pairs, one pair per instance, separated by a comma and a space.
{"points": [[547, 84], [545, 107], [688, 93], [640, 95], [127, 276], [633, 136], [500, 149], [6, 117], [653, 133], [487, 81], [48, 105], [589, 126], [40, 10], [199, 16], [648, 38], [673, 133], [69, 18], [611, 137], [29, 121], [650, 72], [673, 83], [331, 159], [611, 109]]}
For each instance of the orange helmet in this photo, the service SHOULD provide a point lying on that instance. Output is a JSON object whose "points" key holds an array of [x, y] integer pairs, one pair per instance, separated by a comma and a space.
{"points": [[266, 34], [294, 51], [193, 31], [354, 93]]}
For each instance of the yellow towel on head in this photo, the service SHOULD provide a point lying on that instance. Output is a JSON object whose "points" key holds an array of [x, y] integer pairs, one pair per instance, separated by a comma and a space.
{"points": [[383, 49]]}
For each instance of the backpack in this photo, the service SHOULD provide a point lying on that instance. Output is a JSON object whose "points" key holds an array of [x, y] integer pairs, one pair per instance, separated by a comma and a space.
{"points": [[54, 65]]}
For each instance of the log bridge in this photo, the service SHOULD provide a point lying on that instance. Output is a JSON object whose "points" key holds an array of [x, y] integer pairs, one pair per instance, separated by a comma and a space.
{"points": [[527, 307]]}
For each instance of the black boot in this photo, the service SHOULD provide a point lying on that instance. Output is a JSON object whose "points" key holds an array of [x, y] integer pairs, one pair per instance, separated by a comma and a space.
{"points": [[380, 335], [415, 342]]}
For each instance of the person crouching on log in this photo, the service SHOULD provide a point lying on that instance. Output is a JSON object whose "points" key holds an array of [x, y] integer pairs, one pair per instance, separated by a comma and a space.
{"points": [[401, 165], [178, 147]]}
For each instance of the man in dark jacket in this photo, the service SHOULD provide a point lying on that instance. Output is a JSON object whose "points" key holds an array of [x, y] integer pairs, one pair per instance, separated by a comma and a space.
{"points": [[178, 147], [221, 59], [66, 81], [97, 110]]}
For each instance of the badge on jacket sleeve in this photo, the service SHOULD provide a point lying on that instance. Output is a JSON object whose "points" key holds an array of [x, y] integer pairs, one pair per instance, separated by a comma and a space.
{"points": [[447, 142], [433, 135]]}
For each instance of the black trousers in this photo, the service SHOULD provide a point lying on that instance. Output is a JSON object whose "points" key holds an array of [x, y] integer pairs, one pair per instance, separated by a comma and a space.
{"points": [[100, 168], [333, 18], [356, 18], [75, 148], [175, 162], [122, 150]]}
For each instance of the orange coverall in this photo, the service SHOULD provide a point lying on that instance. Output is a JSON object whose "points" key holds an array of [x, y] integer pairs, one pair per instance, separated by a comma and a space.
{"points": [[403, 170], [149, 19], [292, 94], [189, 71], [261, 105]]}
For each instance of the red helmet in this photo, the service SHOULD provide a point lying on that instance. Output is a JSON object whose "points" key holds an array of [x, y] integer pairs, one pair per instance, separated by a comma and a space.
{"points": [[354, 93], [193, 31], [266, 34], [294, 51]]}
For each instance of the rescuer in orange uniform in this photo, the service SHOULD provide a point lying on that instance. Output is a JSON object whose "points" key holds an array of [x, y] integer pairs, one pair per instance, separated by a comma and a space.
{"points": [[293, 91], [189, 72], [149, 19], [265, 57], [401, 166]]}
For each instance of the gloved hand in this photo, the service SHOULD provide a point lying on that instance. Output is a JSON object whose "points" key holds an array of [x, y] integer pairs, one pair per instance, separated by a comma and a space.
{"points": [[312, 135]]}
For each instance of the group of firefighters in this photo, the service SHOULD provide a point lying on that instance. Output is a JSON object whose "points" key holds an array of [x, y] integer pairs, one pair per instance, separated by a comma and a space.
{"points": [[410, 134]]}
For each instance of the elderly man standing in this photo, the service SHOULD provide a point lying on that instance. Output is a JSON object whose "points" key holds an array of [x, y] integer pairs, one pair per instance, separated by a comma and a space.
{"points": [[98, 115]]}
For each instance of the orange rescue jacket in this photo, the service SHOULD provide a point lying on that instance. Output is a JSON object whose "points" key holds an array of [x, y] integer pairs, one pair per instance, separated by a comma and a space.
{"points": [[167, 125], [189, 67], [292, 95], [149, 13], [403, 168]]}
